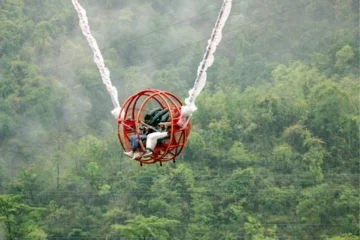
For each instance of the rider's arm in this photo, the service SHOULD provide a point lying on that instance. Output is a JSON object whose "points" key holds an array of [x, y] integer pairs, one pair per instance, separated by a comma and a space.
{"points": [[165, 124]]}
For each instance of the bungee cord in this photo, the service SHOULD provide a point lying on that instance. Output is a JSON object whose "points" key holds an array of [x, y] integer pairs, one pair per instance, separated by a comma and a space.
{"points": [[216, 36], [98, 59]]}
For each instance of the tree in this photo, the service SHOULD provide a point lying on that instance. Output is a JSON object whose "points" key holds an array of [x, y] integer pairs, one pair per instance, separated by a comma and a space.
{"points": [[330, 107], [143, 228], [255, 231], [202, 217], [344, 237], [329, 205], [306, 154], [20, 220], [343, 58]]}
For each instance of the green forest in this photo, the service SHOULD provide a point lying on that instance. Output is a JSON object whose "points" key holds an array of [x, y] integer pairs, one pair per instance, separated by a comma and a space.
{"points": [[273, 152]]}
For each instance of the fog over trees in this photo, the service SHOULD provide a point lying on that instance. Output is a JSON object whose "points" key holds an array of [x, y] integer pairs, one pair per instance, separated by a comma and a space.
{"points": [[273, 152]]}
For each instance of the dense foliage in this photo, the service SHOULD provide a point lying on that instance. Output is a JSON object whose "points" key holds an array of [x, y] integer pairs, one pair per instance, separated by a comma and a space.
{"points": [[274, 147]]}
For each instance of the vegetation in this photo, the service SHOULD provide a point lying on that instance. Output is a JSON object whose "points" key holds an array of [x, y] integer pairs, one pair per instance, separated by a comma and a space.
{"points": [[274, 147]]}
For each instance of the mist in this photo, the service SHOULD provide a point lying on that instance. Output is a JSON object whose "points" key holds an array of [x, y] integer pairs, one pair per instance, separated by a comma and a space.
{"points": [[273, 148]]}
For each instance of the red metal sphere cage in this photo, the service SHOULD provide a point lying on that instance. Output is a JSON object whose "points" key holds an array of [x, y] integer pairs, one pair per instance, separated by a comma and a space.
{"points": [[133, 112]]}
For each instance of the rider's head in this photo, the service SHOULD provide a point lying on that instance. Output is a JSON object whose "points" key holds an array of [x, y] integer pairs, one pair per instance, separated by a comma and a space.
{"points": [[174, 111], [147, 118]]}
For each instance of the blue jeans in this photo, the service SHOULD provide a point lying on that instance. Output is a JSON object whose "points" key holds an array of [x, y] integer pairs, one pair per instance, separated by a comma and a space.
{"points": [[134, 142]]}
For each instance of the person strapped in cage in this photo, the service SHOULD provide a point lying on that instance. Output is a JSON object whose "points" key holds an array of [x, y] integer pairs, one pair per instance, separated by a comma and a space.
{"points": [[164, 127]]}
